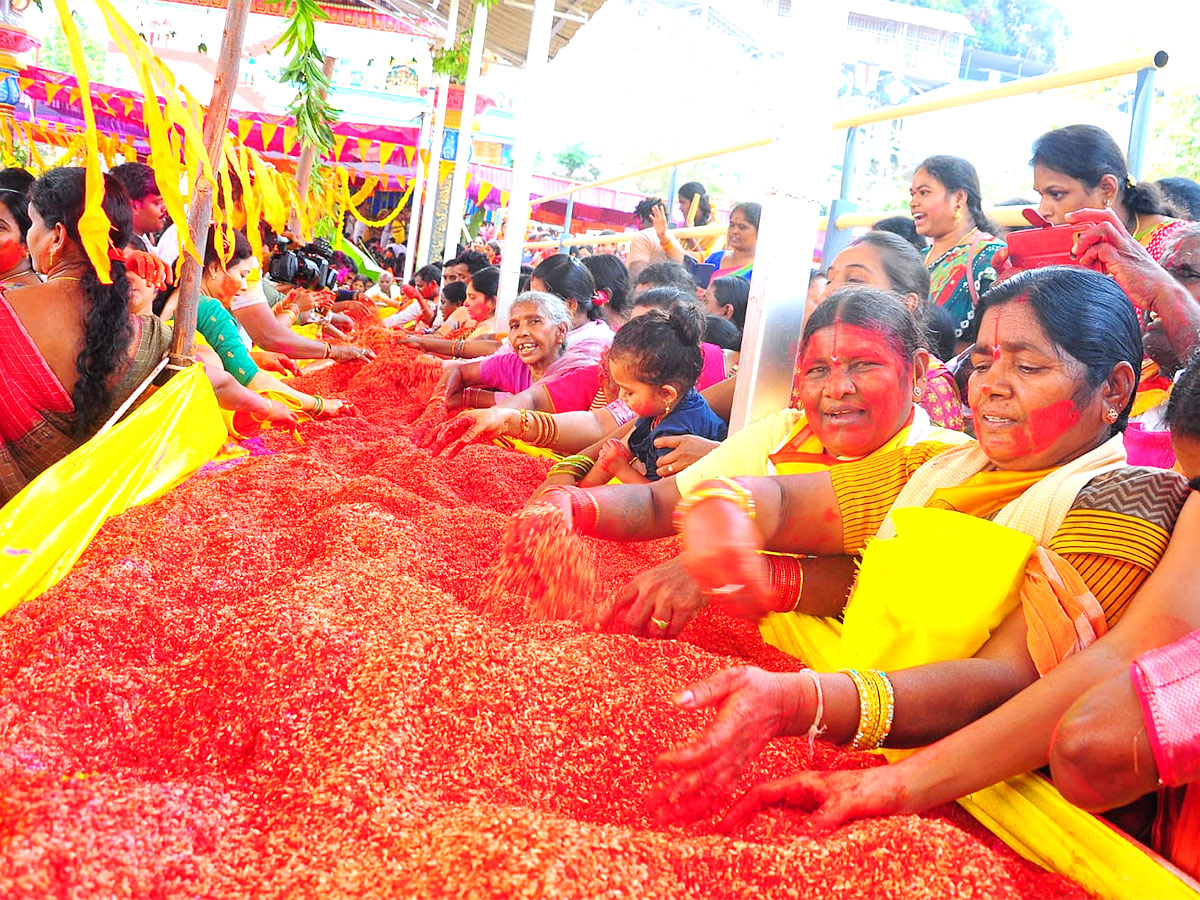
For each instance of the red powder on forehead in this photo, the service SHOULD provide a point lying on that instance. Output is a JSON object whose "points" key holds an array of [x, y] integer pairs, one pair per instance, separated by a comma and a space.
{"points": [[283, 679]]}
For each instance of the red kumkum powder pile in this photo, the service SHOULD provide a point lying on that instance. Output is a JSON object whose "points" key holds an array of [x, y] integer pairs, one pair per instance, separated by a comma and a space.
{"points": [[280, 681]]}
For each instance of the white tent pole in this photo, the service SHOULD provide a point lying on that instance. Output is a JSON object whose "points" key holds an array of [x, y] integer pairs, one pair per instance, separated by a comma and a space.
{"points": [[435, 147], [788, 229], [414, 212], [466, 128], [525, 116]]}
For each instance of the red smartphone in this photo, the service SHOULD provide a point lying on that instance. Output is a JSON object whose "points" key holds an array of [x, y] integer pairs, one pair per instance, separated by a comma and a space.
{"points": [[1043, 245]]}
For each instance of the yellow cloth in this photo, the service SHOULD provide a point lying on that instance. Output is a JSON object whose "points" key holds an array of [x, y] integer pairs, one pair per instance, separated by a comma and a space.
{"points": [[897, 619], [50, 523], [1038, 511], [747, 452], [985, 493]]}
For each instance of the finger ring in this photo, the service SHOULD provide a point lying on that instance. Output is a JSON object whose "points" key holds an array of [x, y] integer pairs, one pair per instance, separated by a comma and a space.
{"points": [[670, 469], [659, 622]]}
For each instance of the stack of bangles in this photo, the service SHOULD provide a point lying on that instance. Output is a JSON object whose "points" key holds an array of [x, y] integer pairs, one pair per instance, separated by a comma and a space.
{"points": [[876, 707], [538, 428], [716, 489], [787, 580], [459, 346], [318, 407], [585, 511], [328, 349], [577, 466], [471, 397]]}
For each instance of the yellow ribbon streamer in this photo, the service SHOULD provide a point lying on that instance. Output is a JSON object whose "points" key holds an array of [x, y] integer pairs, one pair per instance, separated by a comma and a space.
{"points": [[94, 226]]}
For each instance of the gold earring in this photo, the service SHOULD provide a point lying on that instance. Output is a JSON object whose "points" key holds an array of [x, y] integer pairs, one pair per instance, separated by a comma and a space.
{"points": [[958, 215], [1111, 416], [917, 392], [51, 258]]}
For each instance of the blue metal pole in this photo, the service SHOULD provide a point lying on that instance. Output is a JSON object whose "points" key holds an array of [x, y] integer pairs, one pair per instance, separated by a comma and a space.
{"points": [[566, 232], [848, 162], [1139, 128], [672, 187]]}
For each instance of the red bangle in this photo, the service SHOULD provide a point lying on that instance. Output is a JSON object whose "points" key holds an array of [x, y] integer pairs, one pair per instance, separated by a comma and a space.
{"points": [[585, 508]]}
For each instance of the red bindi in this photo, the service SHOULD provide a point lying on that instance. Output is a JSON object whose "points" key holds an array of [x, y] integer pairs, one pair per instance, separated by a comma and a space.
{"points": [[833, 355]]}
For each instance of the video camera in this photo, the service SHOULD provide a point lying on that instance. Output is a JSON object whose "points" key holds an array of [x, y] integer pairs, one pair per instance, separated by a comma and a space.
{"points": [[307, 267]]}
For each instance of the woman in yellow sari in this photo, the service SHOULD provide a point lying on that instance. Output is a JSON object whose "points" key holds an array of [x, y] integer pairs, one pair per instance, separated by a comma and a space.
{"points": [[863, 404], [1054, 379]]}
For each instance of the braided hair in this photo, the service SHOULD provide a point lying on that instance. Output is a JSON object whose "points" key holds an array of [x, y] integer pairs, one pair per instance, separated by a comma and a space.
{"points": [[58, 196]]}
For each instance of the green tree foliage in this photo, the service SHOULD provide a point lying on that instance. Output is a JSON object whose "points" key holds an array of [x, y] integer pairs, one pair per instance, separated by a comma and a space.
{"points": [[314, 114], [575, 160], [1025, 28], [1176, 146], [56, 56]]}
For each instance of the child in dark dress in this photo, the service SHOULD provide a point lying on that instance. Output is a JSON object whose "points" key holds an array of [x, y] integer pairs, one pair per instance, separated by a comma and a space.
{"points": [[655, 360]]}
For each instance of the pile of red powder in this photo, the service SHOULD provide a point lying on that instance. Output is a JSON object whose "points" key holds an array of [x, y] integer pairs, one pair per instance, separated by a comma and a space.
{"points": [[281, 680]]}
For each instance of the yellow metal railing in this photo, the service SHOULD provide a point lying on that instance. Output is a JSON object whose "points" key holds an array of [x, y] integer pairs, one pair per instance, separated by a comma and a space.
{"points": [[1008, 216], [1016, 88]]}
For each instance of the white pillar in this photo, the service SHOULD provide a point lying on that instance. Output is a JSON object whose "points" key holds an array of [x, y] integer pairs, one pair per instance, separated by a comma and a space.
{"points": [[524, 117], [788, 230], [435, 147], [414, 213], [466, 127]]}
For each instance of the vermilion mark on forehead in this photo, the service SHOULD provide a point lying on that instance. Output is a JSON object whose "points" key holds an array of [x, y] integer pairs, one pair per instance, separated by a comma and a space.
{"points": [[837, 333], [996, 337]]}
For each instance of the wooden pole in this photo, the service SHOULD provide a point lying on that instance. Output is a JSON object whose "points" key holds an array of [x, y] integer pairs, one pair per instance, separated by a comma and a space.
{"points": [[200, 213], [308, 157]]}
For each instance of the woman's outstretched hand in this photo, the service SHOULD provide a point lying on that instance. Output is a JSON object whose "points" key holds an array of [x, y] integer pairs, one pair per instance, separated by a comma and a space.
{"points": [[830, 798], [753, 706], [721, 554], [657, 603]]}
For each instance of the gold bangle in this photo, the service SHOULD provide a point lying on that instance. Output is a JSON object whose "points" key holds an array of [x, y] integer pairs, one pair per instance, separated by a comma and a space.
{"points": [[723, 489], [876, 707]]}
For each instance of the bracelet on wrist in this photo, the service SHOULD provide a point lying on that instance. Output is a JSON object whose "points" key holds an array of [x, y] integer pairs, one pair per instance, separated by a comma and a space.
{"points": [[717, 489], [876, 707]]}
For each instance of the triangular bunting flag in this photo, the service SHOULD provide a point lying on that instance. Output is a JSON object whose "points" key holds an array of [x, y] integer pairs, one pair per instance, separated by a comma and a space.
{"points": [[484, 190], [410, 151], [73, 96], [128, 104], [244, 127], [386, 150], [364, 147], [24, 84], [409, 159], [289, 138], [339, 144], [267, 129], [52, 91]]}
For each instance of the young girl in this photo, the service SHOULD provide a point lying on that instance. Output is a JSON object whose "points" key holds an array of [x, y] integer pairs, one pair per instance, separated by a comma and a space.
{"points": [[454, 311], [655, 361]]}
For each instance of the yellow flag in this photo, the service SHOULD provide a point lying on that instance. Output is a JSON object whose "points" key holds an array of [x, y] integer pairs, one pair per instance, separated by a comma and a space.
{"points": [[94, 226], [289, 138], [244, 127], [24, 84], [268, 129], [339, 144], [52, 91], [385, 152]]}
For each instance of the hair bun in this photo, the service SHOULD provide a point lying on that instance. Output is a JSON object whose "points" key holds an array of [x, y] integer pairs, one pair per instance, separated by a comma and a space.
{"points": [[689, 322]]}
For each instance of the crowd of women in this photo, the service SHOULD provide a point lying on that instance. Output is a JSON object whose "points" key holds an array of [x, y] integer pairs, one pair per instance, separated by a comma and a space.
{"points": [[1033, 427], [1036, 429]]}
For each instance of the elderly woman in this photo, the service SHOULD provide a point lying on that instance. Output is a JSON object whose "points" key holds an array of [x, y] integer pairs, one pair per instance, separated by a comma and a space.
{"points": [[538, 325], [1115, 721], [70, 351], [1053, 383], [862, 363]]}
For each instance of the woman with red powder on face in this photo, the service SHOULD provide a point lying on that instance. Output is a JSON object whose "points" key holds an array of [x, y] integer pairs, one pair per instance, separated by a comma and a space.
{"points": [[1117, 722], [1050, 394], [16, 269]]}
